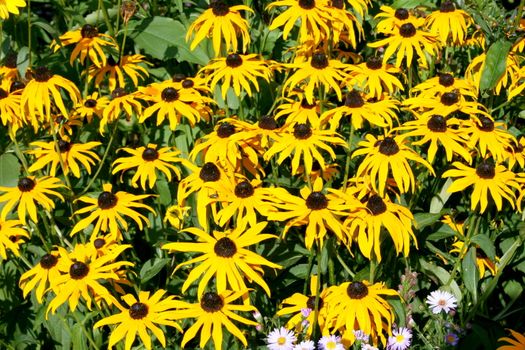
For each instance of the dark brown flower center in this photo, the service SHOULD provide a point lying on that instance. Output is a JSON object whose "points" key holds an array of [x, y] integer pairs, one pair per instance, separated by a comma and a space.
{"points": [[219, 8], [244, 189], [42, 74], [388, 146], [374, 62], [187, 83], [316, 166], [26, 184], [59, 119], [447, 6], [310, 303], [305, 104], [225, 247], [485, 124], [210, 173], [3, 94], [225, 130], [338, 4], [316, 201], [354, 99], [64, 146], [48, 261], [449, 98], [233, 60], [118, 92], [486, 170], [90, 103], [407, 30], [78, 270], [99, 243], [446, 79], [211, 302], [437, 123], [150, 154], [302, 131], [88, 31], [319, 61], [376, 205], [107, 200], [169, 94], [138, 311], [178, 77], [10, 60], [267, 122], [111, 61], [16, 85], [307, 4], [401, 14], [357, 290]]}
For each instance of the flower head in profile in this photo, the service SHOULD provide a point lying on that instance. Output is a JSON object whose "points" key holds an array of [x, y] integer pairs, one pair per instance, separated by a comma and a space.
{"points": [[129, 66], [440, 300], [281, 339], [176, 215], [516, 343], [11, 235], [400, 339], [10, 112], [142, 314], [330, 342], [449, 23], [121, 103], [43, 275], [10, 6]]}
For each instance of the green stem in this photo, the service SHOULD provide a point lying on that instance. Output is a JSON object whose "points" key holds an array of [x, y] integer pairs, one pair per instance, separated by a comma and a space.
{"points": [[20, 155], [317, 295], [309, 269], [86, 333], [345, 266], [106, 17], [119, 9], [373, 265], [464, 248], [29, 32], [518, 16], [123, 41], [39, 234], [348, 157]]}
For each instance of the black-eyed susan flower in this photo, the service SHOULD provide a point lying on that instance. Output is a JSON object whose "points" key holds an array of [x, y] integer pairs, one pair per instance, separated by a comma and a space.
{"points": [[518, 83], [360, 305], [449, 23], [512, 68], [142, 314], [44, 88], [388, 155], [89, 43], [42, 276], [121, 102], [516, 153], [237, 71], [128, 66], [375, 77], [516, 343], [303, 143], [91, 105], [344, 24], [260, 134], [445, 104], [221, 22], [64, 126], [489, 136], [176, 215], [391, 19], [10, 113], [317, 71], [81, 274], [108, 211], [299, 112], [11, 234], [483, 262], [68, 154], [27, 193], [10, 6], [445, 83], [147, 161], [213, 312], [490, 181], [9, 71]]}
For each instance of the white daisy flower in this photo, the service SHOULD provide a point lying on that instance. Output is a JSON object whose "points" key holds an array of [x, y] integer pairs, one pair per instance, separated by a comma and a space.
{"points": [[281, 339], [368, 347], [305, 345], [400, 339], [330, 342], [439, 300]]}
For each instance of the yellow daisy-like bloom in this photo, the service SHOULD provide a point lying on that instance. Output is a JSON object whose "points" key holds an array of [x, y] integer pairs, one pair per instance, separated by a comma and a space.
{"points": [[64, 127], [445, 83], [147, 160], [483, 262], [360, 306], [375, 77], [39, 92], [81, 270], [447, 103], [378, 112], [143, 314], [314, 17], [9, 71], [69, 153], [489, 136], [173, 101], [487, 179], [405, 40], [213, 311], [236, 71], [518, 343], [128, 66], [516, 153], [108, 210], [366, 226], [176, 215], [477, 66], [10, 6], [449, 22], [29, 191], [41, 276], [221, 21], [92, 105], [320, 212], [317, 71], [518, 84], [121, 101], [439, 130], [225, 256], [389, 154], [300, 112], [344, 24], [10, 111], [89, 42], [392, 19], [304, 142], [10, 237]]}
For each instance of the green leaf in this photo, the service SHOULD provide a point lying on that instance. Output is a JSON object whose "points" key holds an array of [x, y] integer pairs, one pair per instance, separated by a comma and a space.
{"points": [[79, 340], [470, 273], [484, 242], [442, 275], [411, 4], [439, 200], [495, 64], [151, 268], [425, 219], [9, 170], [164, 191]]}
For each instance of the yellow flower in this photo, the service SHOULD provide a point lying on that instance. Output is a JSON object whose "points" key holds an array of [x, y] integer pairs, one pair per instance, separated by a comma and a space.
{"points": [[29, 191], [109, 210], [143, 314], [518, 343], [483, 262], [64, 127], [9, 72], [41, 276], [89, 42], [221, 21], [128, 66], [11, 236], [92, 105], [489, 136], [445, 104], [213, 312], [445, 83], [449, 22], [300, 112], [10, 112], [512, 69], [121, 101], [70, 153], [176, 215], [375, 76], [344, 24], [10, 6], [225, 256], [392, 19]]}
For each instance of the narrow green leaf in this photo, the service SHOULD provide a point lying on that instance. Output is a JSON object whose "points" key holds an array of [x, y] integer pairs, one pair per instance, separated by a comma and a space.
{"points": [[495, 64], [151, 268], [442, 275], [470, 273], [9, 170], [425, 219], [484, 242], [164, 191]]}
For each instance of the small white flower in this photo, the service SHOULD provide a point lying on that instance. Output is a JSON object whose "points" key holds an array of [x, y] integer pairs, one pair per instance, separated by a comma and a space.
{"points": [[400, 339], [368, 347], [330, 342], [439, 300], [306, 312], [305, 345], [361, 336], [281, 339]]}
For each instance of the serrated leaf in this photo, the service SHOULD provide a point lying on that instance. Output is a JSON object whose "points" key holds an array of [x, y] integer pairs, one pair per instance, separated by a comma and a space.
{"points": [[495, 64], [470, 273], [9, 170], [484, 242], [151, 268]]}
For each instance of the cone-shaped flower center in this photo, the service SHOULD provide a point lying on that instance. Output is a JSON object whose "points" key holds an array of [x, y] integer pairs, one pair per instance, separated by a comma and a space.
{"points": [[316, 166], [16, 85], [138, 311], [48, 261], [78, 270], [486, 170], [118, 92], [169, 94], [357, 290], [225, 130], [64, 146], [178, 77], [244, 189], [26, 184], [3, 94], [316, 201], [437, 123], [401, 14], [267, 122], [42, 74], [99, 243], [302, 131], [306, 105], [388, 146], [187, 83], [446, 79], [107, 200], [447, 6], [485, 124], [307, 4], [219, 8], [211, 302], [319, 61], [225, 247], [233, 60], [374, 62], [88, 31], [354, 99], [449, 98], [376, 205], [210, 173], [150, 154], [90, 103], [310, 303], [407, 30], [338, 4], [111, 61]]}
